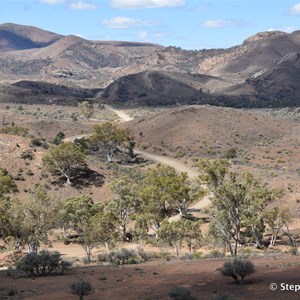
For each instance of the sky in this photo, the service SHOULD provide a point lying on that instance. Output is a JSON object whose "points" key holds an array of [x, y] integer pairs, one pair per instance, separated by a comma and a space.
{"points": [[189, 24]]}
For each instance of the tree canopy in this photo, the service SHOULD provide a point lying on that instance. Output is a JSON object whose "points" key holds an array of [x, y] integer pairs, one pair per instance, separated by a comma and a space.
{"points": [[238, 202], [65, 158], [109, 137]]}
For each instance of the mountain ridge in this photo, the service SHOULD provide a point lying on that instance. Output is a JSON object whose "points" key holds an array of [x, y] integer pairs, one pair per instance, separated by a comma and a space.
{"points": [[256, 73]]}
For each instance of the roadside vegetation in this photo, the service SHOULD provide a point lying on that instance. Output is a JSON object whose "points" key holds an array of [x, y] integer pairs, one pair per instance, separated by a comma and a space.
{"points": [[150, 205]]}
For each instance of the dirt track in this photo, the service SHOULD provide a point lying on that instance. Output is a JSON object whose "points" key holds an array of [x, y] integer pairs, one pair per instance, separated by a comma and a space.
{"points": [[177, 165], [120, 113]]}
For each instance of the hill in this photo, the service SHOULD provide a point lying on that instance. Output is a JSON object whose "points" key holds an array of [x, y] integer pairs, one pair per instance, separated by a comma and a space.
{"points": [[17, 37], [161, 88], [263, 71], [264, 145]]}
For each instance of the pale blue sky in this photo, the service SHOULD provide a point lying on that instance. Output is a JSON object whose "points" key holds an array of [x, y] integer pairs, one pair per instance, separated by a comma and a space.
{"points": [[189, 24]]}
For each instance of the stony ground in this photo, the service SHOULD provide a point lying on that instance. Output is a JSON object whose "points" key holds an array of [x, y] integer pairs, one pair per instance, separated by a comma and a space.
{"points": [[154, 280]]}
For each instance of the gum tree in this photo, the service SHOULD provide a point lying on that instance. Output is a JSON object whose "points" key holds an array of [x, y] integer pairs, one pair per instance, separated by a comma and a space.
{"points": [[238, 201], [65, 159], [110, 138], [124, 200]]}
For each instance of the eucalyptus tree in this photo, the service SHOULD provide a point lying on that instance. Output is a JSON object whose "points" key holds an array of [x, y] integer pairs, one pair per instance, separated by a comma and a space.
{"points": [[66, 159], [110, 138], [238, 201]]}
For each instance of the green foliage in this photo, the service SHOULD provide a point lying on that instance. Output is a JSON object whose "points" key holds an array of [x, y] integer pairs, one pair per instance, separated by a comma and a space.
{"points": [[212, 172], [238, 201], [176, 233], [141, 228], [181, 293], [87, 109], [279, 219], [43, 263], [27, 222], [65, 158], [93, 225], [162, 192], [237, 269], [215, 254], [81, 288], [14, 130], [124, 256], [125, 199], [59, 138], [109, 138], [7, 184], [38, 142], [74, 117], [230, 153]]}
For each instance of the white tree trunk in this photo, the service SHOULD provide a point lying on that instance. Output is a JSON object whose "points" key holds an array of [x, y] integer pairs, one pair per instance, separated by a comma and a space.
{"points": [[110, 155]]}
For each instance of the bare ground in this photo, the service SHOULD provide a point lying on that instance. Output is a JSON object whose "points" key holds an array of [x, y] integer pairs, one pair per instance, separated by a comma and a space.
{"points": [[153, 280]]}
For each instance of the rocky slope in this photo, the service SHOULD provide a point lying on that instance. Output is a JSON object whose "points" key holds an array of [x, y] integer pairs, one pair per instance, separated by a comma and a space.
{"points": [[262, 71]]}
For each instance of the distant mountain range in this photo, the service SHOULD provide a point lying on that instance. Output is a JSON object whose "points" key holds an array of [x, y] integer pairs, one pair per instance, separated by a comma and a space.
{"points": [[38, 65]]}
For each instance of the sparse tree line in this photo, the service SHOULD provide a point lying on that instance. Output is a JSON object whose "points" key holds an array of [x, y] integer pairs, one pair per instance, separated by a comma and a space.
{"points": [[147, 201], [240, 213], [26, 224], [144, 200], [67, 158]]}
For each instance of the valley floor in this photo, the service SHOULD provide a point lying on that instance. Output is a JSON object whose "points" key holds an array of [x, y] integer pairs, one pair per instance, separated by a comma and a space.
{"points": [[154, 280]]}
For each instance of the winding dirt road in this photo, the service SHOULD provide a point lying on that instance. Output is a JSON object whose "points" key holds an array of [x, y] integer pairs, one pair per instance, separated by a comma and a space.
{"points": [[120, 113], [177, 165]]}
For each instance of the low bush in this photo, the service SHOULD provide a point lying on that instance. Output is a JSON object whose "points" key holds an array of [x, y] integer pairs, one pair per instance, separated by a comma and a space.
{"points": [[59, 138], [181, 293], [14, 130], [81, 288], [124, 256], [165, 255], [38, 142], [215, 254], [294, 250], [223, 296], [238, 269], [230, 153], [43, 263], [27, 154]]}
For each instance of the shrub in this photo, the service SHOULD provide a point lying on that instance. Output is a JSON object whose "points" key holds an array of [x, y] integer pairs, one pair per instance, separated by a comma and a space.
{"points": [[38, 142], [59, 138], [223, 296], [29, 173], [43, 263], [186, 256], [12, 292], [197, 255], [181, 293], [14, 130], [27, 154], [123, 256], [230, 153], [215, 254], [294, 250], [81, 288], [238, 269]]}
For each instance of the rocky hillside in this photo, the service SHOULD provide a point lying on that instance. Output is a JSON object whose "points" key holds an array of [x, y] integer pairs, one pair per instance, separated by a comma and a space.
{"points": [[265, 145], [15, 37], [262, 71]]}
